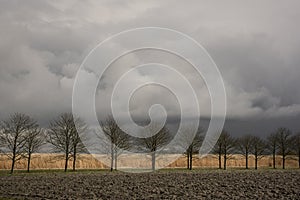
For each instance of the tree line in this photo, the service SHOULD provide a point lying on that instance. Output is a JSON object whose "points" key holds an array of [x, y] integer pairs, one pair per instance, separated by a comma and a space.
{"points": [[21, 136], [281, 142]]}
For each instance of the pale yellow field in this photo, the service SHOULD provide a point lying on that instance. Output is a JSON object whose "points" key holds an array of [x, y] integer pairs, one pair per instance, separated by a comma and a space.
{"points": [[86, 161]]}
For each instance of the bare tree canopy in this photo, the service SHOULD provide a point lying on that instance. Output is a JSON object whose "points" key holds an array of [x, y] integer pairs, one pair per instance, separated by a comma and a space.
{"points": [[245, 145], [35, 138], [272, 146], [65, 138], [118, 140], [156, 142], [193, 146], [225, 146], [218, 149], [284, 143], [77, 140], [13, 136], [296, 146], [259, 149]]}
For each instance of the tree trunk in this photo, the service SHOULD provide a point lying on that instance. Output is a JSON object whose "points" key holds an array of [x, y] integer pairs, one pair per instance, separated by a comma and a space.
{"points": [[66, 162], [188, 160], [66, 157], [274, 160], [112, 161], [191, 160], [116, 161], [28, 162], [74, 157], [13, 158], [74, 161], [225, 160], [220, 161], [256, 159], [13, 164], [247, 160], [153, 160], [283, 161]]}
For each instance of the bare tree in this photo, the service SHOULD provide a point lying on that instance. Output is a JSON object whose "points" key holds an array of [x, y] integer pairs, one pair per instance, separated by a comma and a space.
{"points": [[77, 139], [194, 148], [154, 143], [12, 137], [259, 148], [284, 143], [225, 146], [34, 139], [272, 145], [245, 144], [296, 146], [64, 137], [119, 141], [218, 149], [122, 144]]}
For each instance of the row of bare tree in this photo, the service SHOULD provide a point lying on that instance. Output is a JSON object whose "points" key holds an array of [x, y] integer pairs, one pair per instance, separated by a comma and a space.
{"points": [[120, 141], [281, 142], [21, 136]]}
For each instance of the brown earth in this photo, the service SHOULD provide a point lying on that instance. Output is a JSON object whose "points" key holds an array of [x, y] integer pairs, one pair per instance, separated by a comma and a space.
{"points": [[180, 184]]}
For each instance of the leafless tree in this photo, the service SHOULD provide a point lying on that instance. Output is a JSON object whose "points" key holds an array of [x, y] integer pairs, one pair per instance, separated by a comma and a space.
{"points": [[244, 145], [77, 139], [218, 149], [118, 140], [193, 148], [284, 143], [65, 138], [12, 136], [225, 146], [122, 144], [259, 148], [296, 146], [34, 139], [272, 146], [156, 142]]}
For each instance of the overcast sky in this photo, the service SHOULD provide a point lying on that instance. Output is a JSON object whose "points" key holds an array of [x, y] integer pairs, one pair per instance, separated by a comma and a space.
{"points": [[255, 44]]}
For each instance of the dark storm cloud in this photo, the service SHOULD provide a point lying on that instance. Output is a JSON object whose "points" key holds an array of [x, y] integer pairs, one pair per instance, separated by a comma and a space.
{"points": [[256, 45]]}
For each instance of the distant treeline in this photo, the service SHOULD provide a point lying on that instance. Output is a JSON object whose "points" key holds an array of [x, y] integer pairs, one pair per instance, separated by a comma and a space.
{"points": [[21, 136]]}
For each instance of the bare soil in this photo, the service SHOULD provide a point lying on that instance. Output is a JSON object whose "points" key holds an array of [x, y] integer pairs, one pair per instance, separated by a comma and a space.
{"points": [[198, 184]]}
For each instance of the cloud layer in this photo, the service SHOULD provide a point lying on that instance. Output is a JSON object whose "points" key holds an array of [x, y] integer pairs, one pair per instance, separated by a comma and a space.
{"points": [[255, 44]]}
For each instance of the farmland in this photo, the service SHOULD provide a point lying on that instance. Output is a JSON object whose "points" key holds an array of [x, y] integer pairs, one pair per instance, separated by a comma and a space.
{"points": [[167, 184], [93, 180]]}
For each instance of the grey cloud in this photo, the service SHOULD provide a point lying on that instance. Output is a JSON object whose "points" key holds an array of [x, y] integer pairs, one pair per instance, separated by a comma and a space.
{"points": [[254, 43]]}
